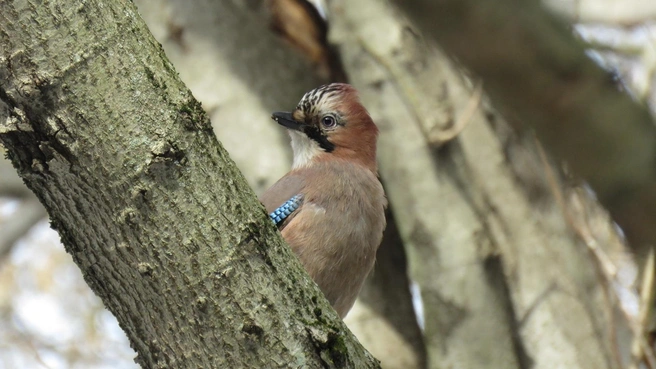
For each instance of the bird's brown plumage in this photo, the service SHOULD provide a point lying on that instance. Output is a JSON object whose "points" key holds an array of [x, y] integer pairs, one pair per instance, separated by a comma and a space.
{"points": [[339, 225]]}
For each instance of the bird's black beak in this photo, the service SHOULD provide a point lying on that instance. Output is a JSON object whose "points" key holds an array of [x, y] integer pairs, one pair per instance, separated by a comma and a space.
{"points": [[286, 120]]}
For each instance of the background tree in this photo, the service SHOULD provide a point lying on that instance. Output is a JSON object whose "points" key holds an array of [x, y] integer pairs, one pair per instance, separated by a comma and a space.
{"points": [[495, 235]]}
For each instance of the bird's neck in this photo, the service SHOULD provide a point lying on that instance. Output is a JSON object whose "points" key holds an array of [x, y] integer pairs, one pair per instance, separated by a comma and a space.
{"points": [[307, 152]]}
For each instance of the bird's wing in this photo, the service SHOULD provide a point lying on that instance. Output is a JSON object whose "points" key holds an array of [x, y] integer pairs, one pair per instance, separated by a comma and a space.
{"points": [[283, 199], [285, 210]]}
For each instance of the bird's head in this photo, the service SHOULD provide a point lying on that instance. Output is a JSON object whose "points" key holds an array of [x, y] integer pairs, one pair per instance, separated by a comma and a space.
{"points": [[330, 123]]}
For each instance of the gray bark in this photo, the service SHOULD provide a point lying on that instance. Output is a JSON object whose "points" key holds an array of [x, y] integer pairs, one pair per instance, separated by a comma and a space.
{"points": [[162, 224], [537, 72], [505, 281]]}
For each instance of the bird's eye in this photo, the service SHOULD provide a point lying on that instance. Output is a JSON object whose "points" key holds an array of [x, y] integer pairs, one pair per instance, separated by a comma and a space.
{"points": [[328, 121]]}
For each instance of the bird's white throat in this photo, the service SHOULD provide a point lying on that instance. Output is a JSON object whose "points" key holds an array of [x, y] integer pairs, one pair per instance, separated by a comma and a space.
{"points": [[305, 149]]}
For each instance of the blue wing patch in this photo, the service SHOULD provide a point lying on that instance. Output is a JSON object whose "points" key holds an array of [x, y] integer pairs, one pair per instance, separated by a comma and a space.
{"points": [[284, 210]]}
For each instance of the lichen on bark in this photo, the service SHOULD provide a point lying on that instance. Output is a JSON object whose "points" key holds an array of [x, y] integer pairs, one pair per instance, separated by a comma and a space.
{"points": [[161, 222]]}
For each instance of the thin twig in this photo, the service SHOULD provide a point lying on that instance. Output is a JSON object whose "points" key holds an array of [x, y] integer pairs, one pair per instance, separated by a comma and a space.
{"points": [[605, 268], [437, 136], [639, 348], [406, 92]]}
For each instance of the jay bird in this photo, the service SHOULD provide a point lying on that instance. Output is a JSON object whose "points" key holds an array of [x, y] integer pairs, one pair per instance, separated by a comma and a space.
{"points": [[330, 208]]}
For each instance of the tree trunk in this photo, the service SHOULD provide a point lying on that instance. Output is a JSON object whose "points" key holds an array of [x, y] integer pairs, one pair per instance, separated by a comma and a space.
{"points": [[162, 224], [538, 73], [505, 281]]}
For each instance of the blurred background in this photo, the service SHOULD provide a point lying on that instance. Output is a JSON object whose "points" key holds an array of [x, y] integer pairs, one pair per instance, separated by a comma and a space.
{"points": [[494, 255]]}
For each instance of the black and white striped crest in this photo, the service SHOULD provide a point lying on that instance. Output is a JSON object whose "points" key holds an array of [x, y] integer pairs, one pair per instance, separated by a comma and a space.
{"points": [[320, 98]]}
